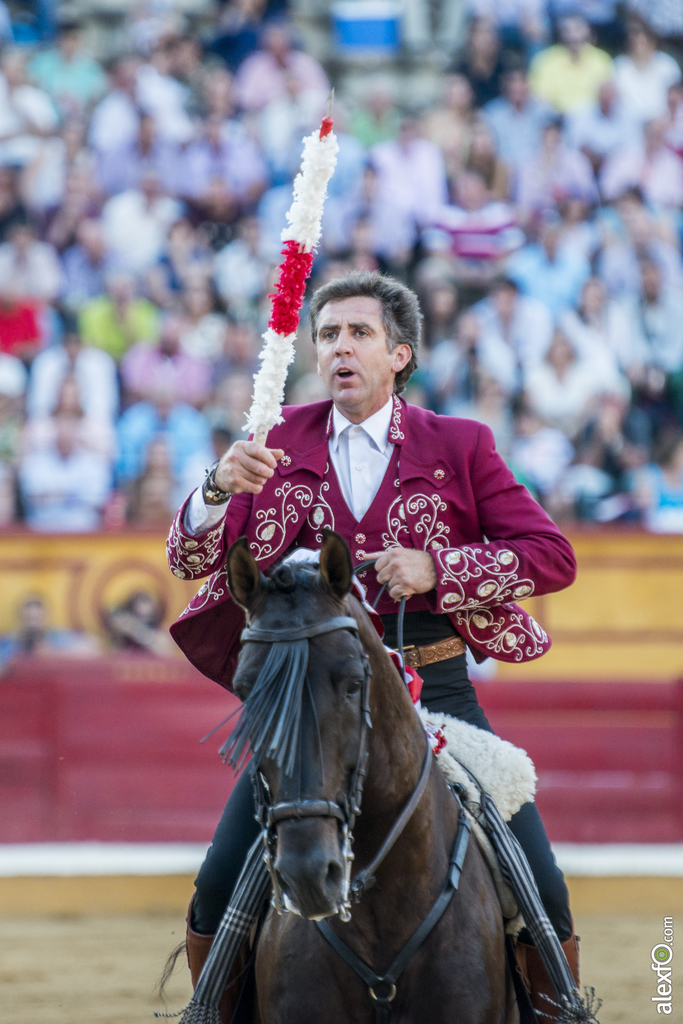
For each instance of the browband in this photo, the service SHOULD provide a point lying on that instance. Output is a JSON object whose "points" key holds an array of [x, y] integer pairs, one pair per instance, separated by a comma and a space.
{"points": [[268, 636]]}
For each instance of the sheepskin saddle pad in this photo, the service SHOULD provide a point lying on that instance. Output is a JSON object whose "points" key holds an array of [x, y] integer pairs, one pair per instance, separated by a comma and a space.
{"points": [[502, 770]]}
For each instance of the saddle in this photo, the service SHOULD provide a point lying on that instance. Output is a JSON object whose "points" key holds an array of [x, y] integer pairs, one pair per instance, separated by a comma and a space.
{"points": [[485, 764]]}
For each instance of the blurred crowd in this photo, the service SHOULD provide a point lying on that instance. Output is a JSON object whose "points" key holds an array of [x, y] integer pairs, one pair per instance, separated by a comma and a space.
{"points": [[535, 206]]}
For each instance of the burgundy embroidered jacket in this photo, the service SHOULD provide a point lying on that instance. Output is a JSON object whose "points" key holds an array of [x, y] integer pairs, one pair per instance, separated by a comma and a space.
{"points": [[446, 491]]}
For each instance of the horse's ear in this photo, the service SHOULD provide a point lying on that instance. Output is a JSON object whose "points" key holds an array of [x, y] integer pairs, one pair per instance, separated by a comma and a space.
{"points": [[244, 576], [336, 567]]}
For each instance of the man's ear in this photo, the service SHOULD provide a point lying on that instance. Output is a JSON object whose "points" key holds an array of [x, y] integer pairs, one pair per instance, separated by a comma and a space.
{"points": [[336, 567], [244, 576]]}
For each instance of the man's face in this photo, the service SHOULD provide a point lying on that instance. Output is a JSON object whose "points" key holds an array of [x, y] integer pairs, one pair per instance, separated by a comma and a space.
{"points": [[353, 359]]}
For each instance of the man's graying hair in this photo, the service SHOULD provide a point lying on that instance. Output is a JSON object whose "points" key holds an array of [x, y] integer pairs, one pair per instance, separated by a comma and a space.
{"points": [[400, 311]]}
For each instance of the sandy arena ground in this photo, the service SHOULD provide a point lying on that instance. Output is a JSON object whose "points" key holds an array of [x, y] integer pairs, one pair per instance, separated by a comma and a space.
{"points": [[97, 970]]}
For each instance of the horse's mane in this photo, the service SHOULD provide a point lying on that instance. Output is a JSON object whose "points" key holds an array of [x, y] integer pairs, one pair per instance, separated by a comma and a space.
{"points": [[270, 722]]}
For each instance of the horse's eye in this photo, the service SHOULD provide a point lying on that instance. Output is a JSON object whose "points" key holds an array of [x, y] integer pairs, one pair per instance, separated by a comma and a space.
{"points": [[353, 687]]}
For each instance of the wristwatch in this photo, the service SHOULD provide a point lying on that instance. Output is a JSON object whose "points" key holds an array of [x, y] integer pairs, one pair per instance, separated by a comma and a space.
{"points": [[211, 492]]}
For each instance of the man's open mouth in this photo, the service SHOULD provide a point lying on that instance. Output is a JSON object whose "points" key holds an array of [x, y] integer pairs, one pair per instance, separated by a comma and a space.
{"points": [[344, 373]]}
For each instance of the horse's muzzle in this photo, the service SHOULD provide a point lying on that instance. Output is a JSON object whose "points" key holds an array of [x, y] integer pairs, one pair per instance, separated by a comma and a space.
{"points": [[309, 866]]}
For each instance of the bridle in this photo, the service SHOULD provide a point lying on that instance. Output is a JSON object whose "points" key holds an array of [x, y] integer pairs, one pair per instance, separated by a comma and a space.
{"points": [[346, 811], [381, 988], [349, 807]]}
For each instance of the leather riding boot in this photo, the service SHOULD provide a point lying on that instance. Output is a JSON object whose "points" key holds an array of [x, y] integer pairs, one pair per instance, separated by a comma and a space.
{"points": [[538, 981], [198, 949]]}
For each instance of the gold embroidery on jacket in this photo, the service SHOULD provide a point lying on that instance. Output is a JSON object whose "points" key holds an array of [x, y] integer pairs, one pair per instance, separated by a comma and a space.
{"points": [[489, 583], [271, 531]]}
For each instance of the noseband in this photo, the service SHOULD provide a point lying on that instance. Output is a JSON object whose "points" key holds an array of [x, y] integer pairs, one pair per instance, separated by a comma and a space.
{"points": [[347, 810]]}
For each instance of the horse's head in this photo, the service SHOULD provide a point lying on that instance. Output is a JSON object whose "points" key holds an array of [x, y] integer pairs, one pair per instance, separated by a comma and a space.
{"points": [[304, 678]]}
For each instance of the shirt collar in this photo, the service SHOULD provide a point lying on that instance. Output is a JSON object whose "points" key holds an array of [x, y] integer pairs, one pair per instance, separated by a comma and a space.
{"points": [[375, 426]]}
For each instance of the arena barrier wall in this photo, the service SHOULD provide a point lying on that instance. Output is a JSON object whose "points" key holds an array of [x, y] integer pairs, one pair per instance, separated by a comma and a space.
{"points": [[620, 620], [108, 749]]}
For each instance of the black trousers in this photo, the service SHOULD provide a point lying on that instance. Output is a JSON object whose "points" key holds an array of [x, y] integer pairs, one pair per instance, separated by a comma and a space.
{"points": [[446, 689]]}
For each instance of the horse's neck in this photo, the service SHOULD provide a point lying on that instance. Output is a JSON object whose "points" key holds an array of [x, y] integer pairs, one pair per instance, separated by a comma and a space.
{"points": [[398, 747]]}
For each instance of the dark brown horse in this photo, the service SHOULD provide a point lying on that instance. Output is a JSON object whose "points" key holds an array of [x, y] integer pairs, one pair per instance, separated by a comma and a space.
{"points": [[458, 974]]}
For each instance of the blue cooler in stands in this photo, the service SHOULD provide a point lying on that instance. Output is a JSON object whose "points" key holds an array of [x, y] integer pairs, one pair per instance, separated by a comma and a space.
{"points": [[367, 26]]}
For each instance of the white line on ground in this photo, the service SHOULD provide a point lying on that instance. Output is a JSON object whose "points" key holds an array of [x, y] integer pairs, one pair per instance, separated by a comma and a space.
{"points": [[64, 859]]}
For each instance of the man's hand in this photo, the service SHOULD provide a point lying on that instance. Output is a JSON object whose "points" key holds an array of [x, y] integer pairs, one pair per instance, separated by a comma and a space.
{"points": [[405, 571], [246, 466]]}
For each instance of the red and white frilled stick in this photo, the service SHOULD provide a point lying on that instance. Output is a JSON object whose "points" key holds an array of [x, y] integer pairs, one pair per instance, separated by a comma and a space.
{"points": [[300, 237]]}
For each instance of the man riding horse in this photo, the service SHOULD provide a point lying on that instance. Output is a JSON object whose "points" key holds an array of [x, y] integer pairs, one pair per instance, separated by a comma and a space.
{"points": [[430, 499]]}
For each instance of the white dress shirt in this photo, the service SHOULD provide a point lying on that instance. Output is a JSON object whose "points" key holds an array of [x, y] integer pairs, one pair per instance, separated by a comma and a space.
{"points": [[360, 454]]}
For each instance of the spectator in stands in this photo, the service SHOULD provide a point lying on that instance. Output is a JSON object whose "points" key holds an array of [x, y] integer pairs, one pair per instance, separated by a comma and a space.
{"points": [[84, 265], [79, 199], [481, 232], [600, 329], [150, 495], [555, 174], [12, 389], [28, 267], [284, 122], [611, 447], [224, 158], [262, 77], [12, 209], [481, 61], [20, 333], [410, 186], [439, 303], [659, 490], [569, 74], [240, 270], [649, 165], [135, 224], [94, 433], [377, 118], [93, 371], [448, 124], [147, 369], [482, 158], [116, 119], [517, 119], [185, 255], [203, 333], [491, 405], [137, 625], [453, 368], [603, 127], [64, 488], [27, 114], [632, 233], [656, 317], [237, 33], [521, 24], [44, 180], [73, 80], [515, 332], [35, 638], [644, 74], [540, 454], [563, 388], [183, 429], [118, 319], [548, 271], [161, 95], [120, 170]]}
